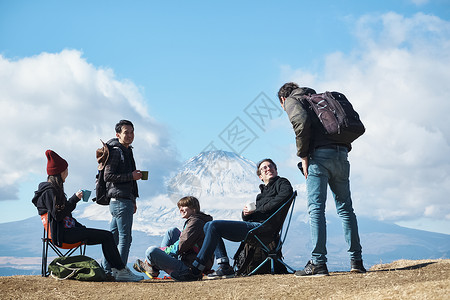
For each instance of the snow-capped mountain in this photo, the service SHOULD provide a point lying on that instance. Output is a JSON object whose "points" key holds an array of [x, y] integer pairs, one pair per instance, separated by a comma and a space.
{"points": [[219, 179]]}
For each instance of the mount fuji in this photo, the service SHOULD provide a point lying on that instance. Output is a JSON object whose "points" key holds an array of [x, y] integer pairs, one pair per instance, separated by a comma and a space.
{"points": [[223, 182]]}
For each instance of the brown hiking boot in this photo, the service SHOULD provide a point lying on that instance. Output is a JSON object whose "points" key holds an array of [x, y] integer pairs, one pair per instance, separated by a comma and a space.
{"points": [[144, 267]]}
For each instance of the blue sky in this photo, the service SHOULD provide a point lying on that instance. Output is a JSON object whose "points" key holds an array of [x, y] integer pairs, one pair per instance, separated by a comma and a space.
{"points": [[187, 73]]}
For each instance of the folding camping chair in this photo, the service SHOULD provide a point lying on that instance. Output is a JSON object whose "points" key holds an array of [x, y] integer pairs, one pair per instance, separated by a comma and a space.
{"points": [[272, 230], [47, 241]]}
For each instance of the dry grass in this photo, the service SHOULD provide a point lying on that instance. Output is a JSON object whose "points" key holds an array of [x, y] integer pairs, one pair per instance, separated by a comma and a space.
{"points": [[404, 279]]}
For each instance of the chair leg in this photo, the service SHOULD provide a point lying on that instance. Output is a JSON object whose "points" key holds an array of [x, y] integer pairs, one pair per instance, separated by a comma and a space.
{"points": [[44, 269], [286, 265], [258, 267], [44, 258]]}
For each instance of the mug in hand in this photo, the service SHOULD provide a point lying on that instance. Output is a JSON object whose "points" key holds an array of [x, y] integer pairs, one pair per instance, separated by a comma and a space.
{"points": [[86, 195], [144, 175], [251, 206]]}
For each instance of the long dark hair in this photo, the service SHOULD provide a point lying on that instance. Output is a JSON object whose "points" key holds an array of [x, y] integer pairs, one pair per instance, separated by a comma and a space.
{"points": [[58, 185]]}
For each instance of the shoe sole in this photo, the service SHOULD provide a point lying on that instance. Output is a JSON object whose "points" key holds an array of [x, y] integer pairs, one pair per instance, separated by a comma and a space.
{"points": [[150, 276], [130, 279], [314, 275], [357, 271], [220, 277], [123, 280]]}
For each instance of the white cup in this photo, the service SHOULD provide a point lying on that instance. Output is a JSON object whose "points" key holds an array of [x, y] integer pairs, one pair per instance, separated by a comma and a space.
{"points": [[251, 206]]}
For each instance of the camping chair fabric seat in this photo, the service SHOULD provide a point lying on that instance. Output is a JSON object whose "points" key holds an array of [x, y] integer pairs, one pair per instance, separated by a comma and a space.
{"points": [[47, 241], [272, 230]]}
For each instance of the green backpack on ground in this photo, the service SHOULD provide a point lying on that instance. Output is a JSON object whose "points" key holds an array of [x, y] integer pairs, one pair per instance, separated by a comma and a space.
{"points": [[79, 267]]}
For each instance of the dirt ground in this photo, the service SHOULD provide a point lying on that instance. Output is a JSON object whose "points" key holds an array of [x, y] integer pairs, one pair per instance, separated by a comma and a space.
{"points": [[404, 279]]}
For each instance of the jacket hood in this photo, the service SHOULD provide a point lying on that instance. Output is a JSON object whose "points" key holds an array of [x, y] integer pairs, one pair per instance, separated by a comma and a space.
{"points": [[202, 216], [43, 186], [302, 91], [114, 142]]}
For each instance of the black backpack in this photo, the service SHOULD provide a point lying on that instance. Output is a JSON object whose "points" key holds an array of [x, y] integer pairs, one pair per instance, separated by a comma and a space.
{"points": [[337, 116], [100, 184], [249, 256]]}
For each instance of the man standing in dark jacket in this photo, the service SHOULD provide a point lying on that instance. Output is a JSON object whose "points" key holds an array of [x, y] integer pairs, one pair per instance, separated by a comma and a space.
{"points": [[122, 189], [323, 162], [274, 192]]}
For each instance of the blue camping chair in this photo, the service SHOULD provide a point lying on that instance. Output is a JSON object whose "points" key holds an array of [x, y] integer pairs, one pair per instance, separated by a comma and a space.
{"points": [[275, 228]]}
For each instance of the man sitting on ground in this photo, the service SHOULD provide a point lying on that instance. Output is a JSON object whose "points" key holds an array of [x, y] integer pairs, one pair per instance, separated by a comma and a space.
{"points": [[178, 248], [274, 192]]}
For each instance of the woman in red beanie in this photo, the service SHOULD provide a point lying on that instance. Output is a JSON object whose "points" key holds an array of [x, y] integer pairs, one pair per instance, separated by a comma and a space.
{"points": [[51, 199]]}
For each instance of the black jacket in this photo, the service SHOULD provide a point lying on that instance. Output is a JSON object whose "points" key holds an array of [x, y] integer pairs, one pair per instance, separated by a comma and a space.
{"points": [[118, 172], [272, 196], [44, 201]]}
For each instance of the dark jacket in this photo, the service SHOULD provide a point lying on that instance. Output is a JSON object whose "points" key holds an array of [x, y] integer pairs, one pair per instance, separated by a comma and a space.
{"points": [[118, 172], [44, 201], [191, 239], [309, 133], [272, 196]]}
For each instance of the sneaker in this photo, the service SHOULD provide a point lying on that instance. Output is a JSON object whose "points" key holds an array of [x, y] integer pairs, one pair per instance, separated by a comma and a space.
{"points": [[186, 275], [313, 270], [126, 275], [357, 266], [144, 267], [224, 271], [110, 277]]}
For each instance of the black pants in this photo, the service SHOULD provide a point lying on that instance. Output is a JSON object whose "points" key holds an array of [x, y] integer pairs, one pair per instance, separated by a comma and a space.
{"points": [[94, 236]]}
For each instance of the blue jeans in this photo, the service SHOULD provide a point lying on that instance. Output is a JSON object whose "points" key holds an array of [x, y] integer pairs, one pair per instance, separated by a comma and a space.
{"points": [[330, 167], [172, 235], [158, 259], [234, 231], [122, 211]]}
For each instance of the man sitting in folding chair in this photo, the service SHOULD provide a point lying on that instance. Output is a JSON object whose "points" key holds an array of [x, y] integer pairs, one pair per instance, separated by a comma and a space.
{"points": [[260, 251], [274, 193]]}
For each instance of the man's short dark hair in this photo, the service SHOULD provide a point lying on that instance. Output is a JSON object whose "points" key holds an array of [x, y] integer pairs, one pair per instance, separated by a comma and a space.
{"points": [[122, 123], [286, 90], [258, 171]]}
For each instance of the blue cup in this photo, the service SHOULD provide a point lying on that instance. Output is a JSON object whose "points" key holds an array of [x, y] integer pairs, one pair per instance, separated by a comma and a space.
{"points": [[86, 195]]}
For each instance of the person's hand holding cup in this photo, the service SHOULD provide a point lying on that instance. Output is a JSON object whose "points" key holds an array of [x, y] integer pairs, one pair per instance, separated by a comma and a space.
{"points": [[249, 208], [86, 195], [144, 175]]}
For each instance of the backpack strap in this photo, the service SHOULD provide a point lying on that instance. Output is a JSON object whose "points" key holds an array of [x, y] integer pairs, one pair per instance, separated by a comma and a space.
{"points": [[72, 274], [122, 158]]}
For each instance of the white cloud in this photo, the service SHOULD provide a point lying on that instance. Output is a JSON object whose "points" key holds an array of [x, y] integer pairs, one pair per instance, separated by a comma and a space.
{"points": [[398, 80], [59, 101]]}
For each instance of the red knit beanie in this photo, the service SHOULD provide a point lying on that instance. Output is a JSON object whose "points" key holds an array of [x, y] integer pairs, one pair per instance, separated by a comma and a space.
{"points": [[55, 163]]}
